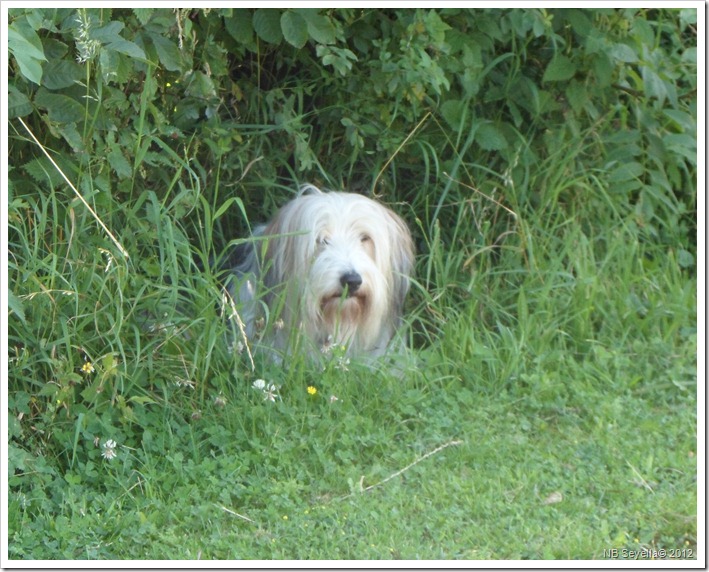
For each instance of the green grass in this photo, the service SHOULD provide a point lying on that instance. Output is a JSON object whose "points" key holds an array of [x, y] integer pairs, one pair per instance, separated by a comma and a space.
{"points": [[564, 365]]}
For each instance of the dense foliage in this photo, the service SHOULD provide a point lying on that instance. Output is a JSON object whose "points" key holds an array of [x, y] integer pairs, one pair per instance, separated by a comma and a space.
{"points": [[522, 146], [333, 95]]}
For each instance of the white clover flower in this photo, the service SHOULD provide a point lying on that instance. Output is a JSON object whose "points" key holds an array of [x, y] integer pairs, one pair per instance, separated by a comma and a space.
{"points": [[270, 391], [109, 450]]}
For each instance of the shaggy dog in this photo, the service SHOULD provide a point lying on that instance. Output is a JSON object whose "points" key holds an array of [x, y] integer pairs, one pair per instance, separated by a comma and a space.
{"points": [[329, 269]]}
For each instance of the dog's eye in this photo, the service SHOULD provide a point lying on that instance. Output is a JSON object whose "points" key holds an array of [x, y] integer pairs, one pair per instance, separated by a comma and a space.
{"points": [[323, 241], [365, 238]]}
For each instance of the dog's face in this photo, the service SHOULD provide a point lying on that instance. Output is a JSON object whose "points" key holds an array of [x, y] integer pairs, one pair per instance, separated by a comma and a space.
{"points": [[343, 262]]}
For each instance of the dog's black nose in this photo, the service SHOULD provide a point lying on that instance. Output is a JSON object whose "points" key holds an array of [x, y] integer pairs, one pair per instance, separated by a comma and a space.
{"points": [[351, 281]]}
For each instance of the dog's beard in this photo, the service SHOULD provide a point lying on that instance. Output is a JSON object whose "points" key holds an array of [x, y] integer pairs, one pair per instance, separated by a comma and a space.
{"points": [[336, 316], [341, 317]]}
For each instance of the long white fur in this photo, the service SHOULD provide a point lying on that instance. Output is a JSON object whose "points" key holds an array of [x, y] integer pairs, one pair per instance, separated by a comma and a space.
{"points": [[291, 289]]}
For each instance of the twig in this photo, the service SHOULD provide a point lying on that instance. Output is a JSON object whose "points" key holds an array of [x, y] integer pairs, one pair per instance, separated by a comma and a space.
{"points": [[226, 296], [225, 509], [409, 136], [124, 252], [406, 468], [641, 482], [489, 198]]}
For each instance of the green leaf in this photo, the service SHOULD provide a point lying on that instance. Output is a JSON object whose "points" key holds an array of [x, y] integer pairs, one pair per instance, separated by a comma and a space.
{"points": [[626, 172], [267, 23], [128, 48], [453, 111], [577, 95], [15, 305], [579, 21], [436, 28], [200, 85], [119, 163], [653, 86], [18, 105], [26, 47], [560, 68], [687, 17], [143, 14], [227, 206], [168, 52], [320, 28], [490, 138], [239, 26], [60, 108], [114, 68], [22, 37], [294, 28], [689, 55], [29, 67], [685, 258], [111, 32], [603, 69], [59, 74], [339, 58], [42, 171], [683, 145], [623, 53], [71, 135]]}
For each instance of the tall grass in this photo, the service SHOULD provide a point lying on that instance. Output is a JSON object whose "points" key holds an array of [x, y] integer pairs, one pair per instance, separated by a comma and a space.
{"points": [[543, 324]]}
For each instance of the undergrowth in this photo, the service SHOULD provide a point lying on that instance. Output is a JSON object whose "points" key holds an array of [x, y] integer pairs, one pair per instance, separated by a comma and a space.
{"points": [[545, 161]]}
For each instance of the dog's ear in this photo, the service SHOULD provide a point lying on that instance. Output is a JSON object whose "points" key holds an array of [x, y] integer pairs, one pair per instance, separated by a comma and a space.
{"points": [[287, 247], [402, 260]]}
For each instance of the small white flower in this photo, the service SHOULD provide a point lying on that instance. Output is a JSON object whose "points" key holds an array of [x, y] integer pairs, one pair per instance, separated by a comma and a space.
{"points": [[270, 393], [326, 348], [269, 389], [109, 450], [342, 363]]}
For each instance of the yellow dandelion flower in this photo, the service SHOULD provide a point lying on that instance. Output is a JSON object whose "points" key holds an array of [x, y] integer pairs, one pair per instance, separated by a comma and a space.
{"points": [[88, 367], [312, 390]]}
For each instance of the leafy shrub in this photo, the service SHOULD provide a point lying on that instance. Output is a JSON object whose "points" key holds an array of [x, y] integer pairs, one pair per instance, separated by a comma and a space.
{"points": [[224, 88]]}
